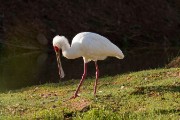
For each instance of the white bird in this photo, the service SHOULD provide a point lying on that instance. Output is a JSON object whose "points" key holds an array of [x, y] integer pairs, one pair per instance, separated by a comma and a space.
{"points": [[90, 46]]}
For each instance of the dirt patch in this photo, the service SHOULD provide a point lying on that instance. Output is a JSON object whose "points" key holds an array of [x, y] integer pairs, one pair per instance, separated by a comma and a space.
{"points": [[175, 63], [78, 104]]}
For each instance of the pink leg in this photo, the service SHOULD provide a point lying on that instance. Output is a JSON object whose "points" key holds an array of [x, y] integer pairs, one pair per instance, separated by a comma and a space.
{"points": [[97, 75], [83, 77]]}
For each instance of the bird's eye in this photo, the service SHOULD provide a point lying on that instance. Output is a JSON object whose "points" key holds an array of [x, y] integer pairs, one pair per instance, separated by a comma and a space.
{"points": [[56, 48]]}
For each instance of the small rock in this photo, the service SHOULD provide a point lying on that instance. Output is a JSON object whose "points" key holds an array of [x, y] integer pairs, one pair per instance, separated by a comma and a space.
{"points": [[35, 89], [122, 87], [100, 91], [52, 30], [42, 39], [43, 102], [53, 106]]}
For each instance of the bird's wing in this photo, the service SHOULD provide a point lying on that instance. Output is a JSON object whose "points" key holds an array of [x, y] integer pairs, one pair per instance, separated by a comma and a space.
{"points": [[97, 46]]}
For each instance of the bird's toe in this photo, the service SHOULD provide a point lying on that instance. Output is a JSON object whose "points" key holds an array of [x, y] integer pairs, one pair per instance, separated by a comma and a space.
{"points": [[74, 96]]}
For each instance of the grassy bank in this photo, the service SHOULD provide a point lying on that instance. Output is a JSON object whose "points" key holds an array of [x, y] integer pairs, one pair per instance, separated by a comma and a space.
{"points": [[151, 95]]}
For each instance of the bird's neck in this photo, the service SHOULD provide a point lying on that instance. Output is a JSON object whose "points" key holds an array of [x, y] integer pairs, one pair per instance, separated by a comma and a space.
{"points": [[69, 52]]}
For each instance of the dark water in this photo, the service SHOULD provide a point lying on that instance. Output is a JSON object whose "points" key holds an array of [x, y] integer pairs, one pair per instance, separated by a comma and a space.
{"points": [[21, 68]]}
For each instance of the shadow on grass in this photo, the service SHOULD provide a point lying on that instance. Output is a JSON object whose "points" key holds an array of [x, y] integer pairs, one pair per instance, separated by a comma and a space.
{"points": [[48, 85], [161, 111], [155, 89]]}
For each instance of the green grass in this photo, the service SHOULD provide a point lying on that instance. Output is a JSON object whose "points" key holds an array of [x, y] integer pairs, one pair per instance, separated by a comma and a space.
{"points": [[144, 95]]}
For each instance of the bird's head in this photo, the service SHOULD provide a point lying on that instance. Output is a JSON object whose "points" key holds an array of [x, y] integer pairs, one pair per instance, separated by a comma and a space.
{"points": [[58, 44]]}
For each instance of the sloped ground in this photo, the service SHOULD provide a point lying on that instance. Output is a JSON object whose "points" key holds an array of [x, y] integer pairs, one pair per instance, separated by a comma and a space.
{"points": [[175, 63], [152, 94]]}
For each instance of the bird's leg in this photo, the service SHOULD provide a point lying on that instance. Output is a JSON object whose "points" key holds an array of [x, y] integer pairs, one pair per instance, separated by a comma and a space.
{"points": [[83, 77], [97, 75]]}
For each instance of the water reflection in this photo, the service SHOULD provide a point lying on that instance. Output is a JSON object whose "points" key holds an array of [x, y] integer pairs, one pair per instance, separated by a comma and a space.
{"points": [[19, 70], [22, 69]]}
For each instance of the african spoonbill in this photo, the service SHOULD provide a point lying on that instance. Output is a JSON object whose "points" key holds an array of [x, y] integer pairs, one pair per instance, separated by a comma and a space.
{"points": [[90, 46]]}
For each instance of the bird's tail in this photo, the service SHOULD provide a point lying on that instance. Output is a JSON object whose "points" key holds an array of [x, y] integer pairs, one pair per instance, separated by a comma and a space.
{"points": [[120, 55]]}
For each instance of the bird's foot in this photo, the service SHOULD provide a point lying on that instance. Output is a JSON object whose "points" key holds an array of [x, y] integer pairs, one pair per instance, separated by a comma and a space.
{"points": [[95, 96], [74, 96], [94, 93]]}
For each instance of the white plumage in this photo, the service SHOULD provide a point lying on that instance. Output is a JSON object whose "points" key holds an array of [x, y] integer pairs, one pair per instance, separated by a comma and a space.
{"points": [[90, 46]]}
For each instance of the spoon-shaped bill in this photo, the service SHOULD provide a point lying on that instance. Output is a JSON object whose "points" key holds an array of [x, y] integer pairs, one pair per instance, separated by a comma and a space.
{"points": [[61, 72]]}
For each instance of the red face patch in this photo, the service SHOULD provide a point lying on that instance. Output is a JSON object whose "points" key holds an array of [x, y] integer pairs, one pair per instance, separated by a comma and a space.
{"points": [[56, 48]]}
